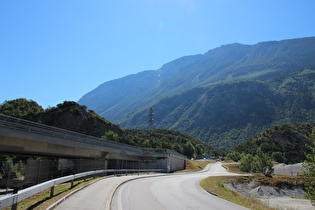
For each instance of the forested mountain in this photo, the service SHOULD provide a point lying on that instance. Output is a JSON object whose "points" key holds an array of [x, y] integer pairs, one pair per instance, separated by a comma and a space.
{"points": [[222, 97], [286, 143]]}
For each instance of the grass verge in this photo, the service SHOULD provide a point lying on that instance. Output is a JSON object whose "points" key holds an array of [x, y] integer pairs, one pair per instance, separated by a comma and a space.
{"points": [[233, 167], [196, 165], [215, 185]]}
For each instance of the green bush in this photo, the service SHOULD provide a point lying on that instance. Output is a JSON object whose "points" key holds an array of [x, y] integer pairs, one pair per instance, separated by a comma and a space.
{"points": [[259, 163], [309, 171], [236, 156]]}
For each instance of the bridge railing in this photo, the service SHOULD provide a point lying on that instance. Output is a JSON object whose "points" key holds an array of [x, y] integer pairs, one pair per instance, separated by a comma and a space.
{"points": [[46, 130], [14, 199]]}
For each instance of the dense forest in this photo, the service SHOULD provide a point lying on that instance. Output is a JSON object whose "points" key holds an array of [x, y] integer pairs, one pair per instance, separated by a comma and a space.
{"points": [[283, 143], [72, 116]]}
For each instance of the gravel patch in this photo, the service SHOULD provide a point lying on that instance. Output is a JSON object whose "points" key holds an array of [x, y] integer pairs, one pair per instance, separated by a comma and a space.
{"points": [[266, 191]]}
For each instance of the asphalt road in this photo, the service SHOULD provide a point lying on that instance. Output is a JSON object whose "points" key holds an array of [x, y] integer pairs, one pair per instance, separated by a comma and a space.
{"points": [[177, 191], [174, 191]]}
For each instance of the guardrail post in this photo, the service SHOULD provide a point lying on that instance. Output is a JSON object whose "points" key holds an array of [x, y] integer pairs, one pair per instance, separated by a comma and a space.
{"points": [[61, 171], [105, 166], [14, 205], [38, 172], [52, 190], [126, 167], [80, 165]]}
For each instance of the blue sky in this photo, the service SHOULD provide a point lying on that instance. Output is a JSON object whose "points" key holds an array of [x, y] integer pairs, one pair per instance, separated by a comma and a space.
{"points": [[56, 50]]}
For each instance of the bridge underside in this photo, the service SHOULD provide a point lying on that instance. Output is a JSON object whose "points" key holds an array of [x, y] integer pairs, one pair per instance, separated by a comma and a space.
{"points": [[20, 142]]}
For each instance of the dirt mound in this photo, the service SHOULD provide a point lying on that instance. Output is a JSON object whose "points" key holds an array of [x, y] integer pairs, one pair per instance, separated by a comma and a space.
{"points": [[265, 191]]}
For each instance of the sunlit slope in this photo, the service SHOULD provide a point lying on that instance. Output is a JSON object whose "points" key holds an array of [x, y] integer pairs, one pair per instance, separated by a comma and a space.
{"points": [[223, 97]]}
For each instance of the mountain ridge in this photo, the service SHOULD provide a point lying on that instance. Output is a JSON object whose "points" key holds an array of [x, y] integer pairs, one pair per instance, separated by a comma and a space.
{"points": [[266, 68]]}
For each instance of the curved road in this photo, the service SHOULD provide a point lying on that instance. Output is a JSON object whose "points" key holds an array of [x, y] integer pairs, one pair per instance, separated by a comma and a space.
{"points": [[174, 191]]}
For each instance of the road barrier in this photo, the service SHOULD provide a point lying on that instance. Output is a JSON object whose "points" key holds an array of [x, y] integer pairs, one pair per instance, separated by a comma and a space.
{"points": [[17, 196]]}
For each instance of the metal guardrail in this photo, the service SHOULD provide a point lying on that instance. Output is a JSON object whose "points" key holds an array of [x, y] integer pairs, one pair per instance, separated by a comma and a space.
{"points": [[13, 199], [46, 130]]}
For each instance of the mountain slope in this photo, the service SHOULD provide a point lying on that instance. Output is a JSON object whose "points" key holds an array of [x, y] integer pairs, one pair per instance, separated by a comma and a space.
{"points": [[223, 97], [287, 140], [227, 114], [116, 98]]}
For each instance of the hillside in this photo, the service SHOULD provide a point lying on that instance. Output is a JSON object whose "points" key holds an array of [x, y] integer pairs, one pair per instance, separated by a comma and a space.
{"points": [[222, 97], [165, 138], [287, 140], [68, 115], [227, 114]]}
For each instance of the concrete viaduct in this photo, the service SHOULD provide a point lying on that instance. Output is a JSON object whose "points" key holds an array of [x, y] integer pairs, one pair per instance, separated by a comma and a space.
{"points": [[18, 136]]}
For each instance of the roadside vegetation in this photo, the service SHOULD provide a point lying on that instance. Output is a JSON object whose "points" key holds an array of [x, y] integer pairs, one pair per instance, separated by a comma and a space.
{"points": [[283, 143], [309, 171], [215, 186], [196, 165], [232, 167]]}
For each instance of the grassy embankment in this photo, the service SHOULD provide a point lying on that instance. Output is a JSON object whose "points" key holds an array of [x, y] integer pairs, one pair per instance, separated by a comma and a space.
{"points": [[196, 165], [215, 185]]}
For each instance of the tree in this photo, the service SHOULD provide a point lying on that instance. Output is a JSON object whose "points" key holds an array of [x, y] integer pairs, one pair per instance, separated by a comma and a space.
{"points": [[262, 162], [278, 157], [110, 135], [259, 163], [189, 150], [236, 156], [246, 163], [309, 171]]}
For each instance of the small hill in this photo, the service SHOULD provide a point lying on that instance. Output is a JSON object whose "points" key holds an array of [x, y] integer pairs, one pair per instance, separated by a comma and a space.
{"points": [[288, 141], [68, 115]]}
